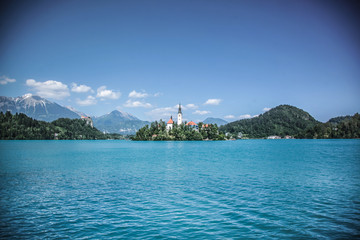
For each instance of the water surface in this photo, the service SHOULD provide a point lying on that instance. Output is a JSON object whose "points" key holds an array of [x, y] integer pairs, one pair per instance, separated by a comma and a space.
{"points": [[206, 190]]}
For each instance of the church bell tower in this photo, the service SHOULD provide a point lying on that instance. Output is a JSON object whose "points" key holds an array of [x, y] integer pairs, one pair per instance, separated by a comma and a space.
{"points": [[179, 116]]}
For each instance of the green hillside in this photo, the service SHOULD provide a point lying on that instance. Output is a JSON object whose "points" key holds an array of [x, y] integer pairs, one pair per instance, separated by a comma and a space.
{"points": [[339, 127], [281, 121], [20, 126], [337, 120]]}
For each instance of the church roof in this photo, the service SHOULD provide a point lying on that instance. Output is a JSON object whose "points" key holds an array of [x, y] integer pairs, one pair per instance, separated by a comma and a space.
{"points": [[191, 123], [170, 121]]}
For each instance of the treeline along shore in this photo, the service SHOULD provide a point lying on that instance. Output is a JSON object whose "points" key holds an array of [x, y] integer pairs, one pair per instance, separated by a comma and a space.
{"points": [[21, 127], [286, 120], [282, 121]]}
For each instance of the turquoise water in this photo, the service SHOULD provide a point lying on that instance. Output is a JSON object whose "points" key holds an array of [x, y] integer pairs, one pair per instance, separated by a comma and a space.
{"points": [[272, 189]]}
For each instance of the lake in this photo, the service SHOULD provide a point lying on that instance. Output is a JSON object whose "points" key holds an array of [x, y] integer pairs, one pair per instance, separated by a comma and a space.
{"points": [[251, 189]]}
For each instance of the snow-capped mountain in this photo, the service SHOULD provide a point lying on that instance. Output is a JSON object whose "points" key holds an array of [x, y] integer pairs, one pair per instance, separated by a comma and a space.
{"points": [[36, 107], [42, 109]]}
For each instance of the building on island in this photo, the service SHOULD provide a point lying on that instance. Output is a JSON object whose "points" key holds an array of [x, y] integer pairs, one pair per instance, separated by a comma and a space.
{"points": [[179, 122], [88, 121], [170, 124], [193, 125]]}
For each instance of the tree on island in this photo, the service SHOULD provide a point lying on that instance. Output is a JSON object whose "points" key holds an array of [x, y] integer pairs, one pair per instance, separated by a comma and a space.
{"points": [[157, 132]]}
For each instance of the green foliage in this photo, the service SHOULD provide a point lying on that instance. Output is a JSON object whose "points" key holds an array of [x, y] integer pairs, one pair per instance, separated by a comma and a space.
{"points": [[340, 127], [76, 129], [21, 127], [337, 120], [288, 120], [157, 132], [281, 121]]}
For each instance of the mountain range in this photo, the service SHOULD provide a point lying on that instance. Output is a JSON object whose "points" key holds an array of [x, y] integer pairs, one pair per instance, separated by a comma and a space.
{"points": [[36, 107], [118, 122], [42, 109], [285, 120], [280, 121]]}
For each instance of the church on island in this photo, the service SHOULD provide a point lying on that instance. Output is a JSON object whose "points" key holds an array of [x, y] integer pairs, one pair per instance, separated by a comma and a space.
{"points": [[170, 123]]}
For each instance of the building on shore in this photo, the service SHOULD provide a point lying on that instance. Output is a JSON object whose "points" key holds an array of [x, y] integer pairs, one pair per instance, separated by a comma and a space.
{"points": [[273, 137], [88, 121]]}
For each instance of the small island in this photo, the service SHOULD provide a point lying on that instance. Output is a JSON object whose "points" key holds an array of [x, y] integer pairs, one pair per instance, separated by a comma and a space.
{"points": [[179, 131]]}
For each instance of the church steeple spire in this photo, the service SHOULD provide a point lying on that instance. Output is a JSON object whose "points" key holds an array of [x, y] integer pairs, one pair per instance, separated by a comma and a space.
{"points": [[179, 115]]}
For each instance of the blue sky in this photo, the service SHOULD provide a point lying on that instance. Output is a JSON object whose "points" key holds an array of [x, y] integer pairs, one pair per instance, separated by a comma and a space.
{"points": [[227, 59]]}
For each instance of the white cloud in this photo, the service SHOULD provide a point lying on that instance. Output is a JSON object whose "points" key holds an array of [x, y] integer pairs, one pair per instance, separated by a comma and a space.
{"points": [[157, 94], [49, 89], [134, 94], [191, 106], [201, 112], [5, 80], [229, 116], [90, 100], [266, 109], [164, 112], [130, 103], [164, 109], [80, 88], [245, 116], [213, 101], [104, 93]]}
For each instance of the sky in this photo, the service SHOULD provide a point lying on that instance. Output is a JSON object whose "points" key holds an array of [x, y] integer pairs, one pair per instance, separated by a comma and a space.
{"points": [[227, 59]]}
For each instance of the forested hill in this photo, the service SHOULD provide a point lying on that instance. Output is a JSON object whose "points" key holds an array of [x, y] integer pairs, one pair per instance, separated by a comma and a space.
{"points": [[281, 121], [337, 120], [20, 126], [339, 127]]}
